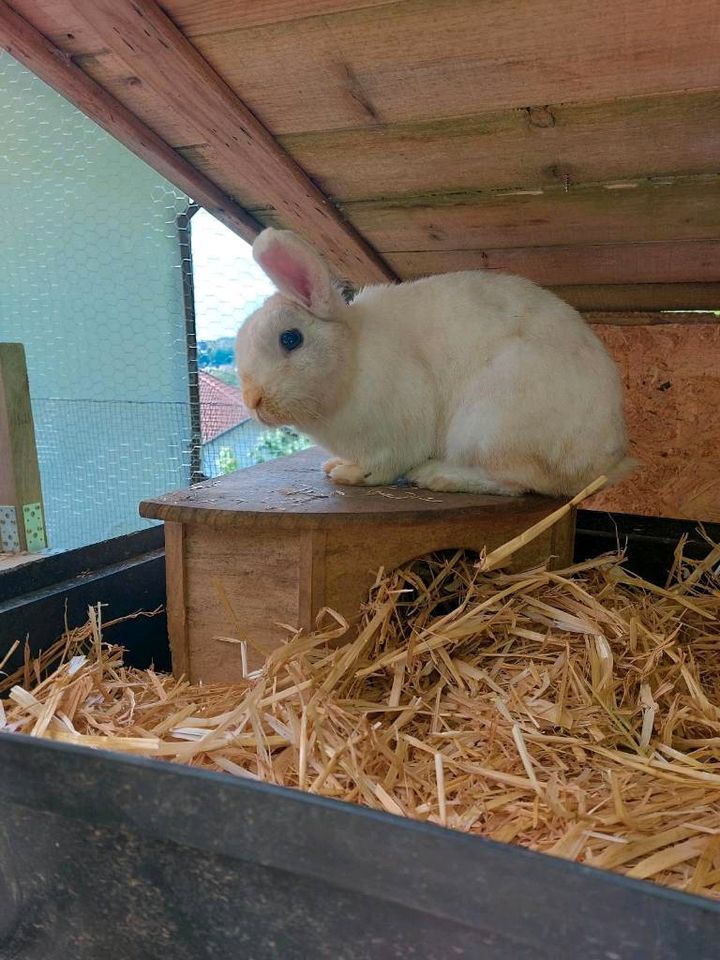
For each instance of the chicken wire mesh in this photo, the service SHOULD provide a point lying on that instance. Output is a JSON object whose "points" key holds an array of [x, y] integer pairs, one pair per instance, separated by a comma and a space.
{"points": [[127, 300]]}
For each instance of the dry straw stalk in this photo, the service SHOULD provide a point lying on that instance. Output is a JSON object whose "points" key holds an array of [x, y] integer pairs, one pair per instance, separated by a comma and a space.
{"points": [[574, 712]]}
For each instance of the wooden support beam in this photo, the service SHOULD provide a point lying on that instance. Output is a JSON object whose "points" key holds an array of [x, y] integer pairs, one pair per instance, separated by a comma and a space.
{"points": [[22, 517], [22, 41], [144, 37]]}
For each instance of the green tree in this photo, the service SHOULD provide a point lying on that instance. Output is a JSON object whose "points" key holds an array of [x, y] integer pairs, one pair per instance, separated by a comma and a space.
{"points": [[278, 443], [227, 461]]}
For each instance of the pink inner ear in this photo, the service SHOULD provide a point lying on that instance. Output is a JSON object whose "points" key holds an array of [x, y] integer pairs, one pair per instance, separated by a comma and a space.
{"points": [[287, 272]]}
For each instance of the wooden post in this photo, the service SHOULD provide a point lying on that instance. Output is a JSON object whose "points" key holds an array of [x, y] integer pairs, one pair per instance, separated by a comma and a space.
{"points": [[22, 518]]}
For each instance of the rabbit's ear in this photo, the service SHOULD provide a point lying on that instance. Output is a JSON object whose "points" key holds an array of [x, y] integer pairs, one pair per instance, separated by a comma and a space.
{"points": [[296, 270]]}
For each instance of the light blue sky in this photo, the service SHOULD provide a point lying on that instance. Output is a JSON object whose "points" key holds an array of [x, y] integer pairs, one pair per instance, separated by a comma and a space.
{"points": [[229, 285]]}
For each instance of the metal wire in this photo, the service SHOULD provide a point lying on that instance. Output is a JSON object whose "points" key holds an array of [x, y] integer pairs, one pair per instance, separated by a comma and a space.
{"points": [[122, 294]]}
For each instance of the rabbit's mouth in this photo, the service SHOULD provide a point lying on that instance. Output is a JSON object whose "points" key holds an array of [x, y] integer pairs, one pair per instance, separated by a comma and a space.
{"points": [[263, 417], [260, 405], [270, 415]]}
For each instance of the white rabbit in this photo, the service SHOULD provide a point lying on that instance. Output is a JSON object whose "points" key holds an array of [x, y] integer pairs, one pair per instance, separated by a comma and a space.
{"points": [[473, 381]]}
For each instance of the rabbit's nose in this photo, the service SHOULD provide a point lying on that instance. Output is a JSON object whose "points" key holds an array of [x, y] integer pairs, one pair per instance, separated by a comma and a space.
{"points": [[252, 394]]}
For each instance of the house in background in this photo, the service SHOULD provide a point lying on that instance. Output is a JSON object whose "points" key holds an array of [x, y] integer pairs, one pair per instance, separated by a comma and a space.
{"points": [[229, 434], [92, 286]]}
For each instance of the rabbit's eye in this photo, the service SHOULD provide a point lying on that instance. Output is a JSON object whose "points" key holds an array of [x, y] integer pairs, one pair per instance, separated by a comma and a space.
{"points": [[291, 339]]}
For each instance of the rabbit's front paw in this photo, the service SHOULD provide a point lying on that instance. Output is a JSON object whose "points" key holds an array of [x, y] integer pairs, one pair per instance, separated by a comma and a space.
{"points": [[349, 474], [330, 465]]}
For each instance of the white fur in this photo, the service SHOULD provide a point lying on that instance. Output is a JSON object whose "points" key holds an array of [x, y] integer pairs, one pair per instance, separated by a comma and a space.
{"points": [[471, 381]]}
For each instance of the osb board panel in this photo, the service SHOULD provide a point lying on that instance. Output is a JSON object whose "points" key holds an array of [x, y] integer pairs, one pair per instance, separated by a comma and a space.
{"points": [[672, 389], [237, 586]]}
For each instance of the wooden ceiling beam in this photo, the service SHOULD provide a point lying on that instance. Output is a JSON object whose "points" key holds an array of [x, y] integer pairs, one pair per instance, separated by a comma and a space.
{"points": [[144, 37], [23, 42]]}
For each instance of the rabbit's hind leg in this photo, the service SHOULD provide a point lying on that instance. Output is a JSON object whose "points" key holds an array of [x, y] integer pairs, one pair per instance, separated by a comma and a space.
{"points": [[453, 478]]}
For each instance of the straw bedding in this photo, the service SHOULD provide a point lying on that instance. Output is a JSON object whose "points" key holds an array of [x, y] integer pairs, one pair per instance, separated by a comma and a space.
{"points": [[576, 713]]}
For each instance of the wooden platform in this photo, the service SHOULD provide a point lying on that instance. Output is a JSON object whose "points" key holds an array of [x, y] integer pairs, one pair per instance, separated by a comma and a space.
{"points": [[276, 543]]}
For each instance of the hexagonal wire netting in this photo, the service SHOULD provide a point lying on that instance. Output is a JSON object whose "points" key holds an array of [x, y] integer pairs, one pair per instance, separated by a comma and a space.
{"points": [[100, 258]]}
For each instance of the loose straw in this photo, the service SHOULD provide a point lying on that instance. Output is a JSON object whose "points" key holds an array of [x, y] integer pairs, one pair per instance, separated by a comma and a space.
{"points": [[573, 712], [496, 558]]}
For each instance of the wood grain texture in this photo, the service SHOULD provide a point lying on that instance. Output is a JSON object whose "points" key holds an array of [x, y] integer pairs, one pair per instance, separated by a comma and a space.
{"points": [[642, 296], [201, 17], [648, 318], [24, 43], [60, 22], [453, 135], [672, 395], [354, 557], [340, 67], [250, 585], [241, 587], [268, 546], [531, 147], [122, 83], [295, 494], [562, 542], [311, 577], [418, 60], [682, 210], [662, 262], [176, 598], [156, 51], [19, 469]]}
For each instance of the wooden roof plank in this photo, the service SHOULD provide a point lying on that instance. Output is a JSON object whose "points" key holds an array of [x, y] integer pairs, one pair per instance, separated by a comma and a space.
{"points": [[25, 44], [203, 17], [565, 144], [59, 22], [144, 37], [653, 318], [623, 212], [642, 296], [325, 65], [571, 265], [534, 147], [419, 60]]}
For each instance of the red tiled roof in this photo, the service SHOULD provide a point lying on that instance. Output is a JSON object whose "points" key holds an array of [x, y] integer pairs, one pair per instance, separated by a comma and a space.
{"points": [[221, 407]]}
